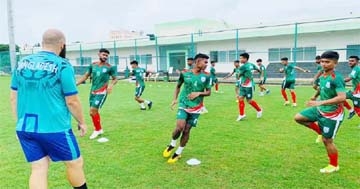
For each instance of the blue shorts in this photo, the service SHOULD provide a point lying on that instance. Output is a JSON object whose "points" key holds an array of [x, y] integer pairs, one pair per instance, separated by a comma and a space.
{"points": [[60, 146]]}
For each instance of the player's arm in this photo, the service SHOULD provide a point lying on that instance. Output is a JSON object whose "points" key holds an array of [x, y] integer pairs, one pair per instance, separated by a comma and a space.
{"points": [[13, 101], [83, 78], [229, 75], [114, 79], [301, 69], [339, 98], [316, 95], [177, 90]]}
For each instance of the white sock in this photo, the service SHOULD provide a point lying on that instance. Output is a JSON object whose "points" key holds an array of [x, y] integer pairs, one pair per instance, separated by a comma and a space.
{"points": [[351, 110], [179, 150], [173, 143], [147, 102], [142, 105]]}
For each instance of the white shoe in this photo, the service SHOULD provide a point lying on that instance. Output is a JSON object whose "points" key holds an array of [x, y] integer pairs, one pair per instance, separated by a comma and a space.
{"points": [[259, 114], [96, 134], [261, 94], [294, 104], [240, 117], [204, 110], [286, 103]]}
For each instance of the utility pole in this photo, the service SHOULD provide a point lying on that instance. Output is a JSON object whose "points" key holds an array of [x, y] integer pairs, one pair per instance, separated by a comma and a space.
{"points": [[12, 46]]}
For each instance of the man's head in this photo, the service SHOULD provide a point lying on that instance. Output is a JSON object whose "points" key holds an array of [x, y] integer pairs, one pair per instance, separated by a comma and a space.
{"points": [[317, 59], [236, 63], [190, 61], [54, 40], [103, 55], [134, 64], [259, 61], [284, 61], [244, 57], [201, 61], [213, 63], [353, 61], [329, 59]]}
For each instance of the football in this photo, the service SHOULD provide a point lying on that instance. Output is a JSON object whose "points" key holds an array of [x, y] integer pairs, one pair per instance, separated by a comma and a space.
{"points": [[281, 70]]}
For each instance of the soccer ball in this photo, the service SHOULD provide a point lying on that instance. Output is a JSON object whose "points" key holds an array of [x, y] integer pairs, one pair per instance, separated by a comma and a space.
{"points": [[281, 70]]}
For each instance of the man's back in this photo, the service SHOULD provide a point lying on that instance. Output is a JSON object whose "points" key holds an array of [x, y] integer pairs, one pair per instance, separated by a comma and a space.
{"points": [[42, 81]]}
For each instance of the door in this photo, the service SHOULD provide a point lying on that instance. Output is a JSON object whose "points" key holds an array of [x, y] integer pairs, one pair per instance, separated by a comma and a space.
{"points": [[177, 60]]}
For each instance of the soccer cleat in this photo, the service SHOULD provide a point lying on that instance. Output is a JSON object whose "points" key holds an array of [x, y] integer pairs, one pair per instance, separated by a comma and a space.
{"points": [[268, 91], [174, 158], [261, 94], [259, 114], [150, 105], [294, 105], [142, 108], [329, 169], [168, 150], [240, 117], [96, 134], [216, 91], [351, 114], [286, 103], [319, 139]]}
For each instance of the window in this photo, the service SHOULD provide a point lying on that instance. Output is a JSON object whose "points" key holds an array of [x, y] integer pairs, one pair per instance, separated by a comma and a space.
{"points": [[132, 57], [83, 60], [222, 56], [214, 56], [302, 53], [225, 56], [352, 50], [142, 59]]}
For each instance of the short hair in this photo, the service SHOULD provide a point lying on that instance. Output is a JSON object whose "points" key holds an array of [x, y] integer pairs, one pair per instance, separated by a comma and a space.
{"points": [[213, 61], [245, 55], [190, 58], [200, 55], [284, 59], [236, 61], [103, 50], [259, 60], [134, 62], [355, 57], [330, 55], [318, 57]]}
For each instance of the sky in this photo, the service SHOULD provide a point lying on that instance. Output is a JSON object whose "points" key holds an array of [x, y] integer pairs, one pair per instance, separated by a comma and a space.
{"points": [[92, 20]]}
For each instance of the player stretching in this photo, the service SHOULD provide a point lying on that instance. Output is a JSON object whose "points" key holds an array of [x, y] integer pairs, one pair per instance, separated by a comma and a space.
{"points": [[263, 76], [100, 72], [289, 81], [140, 84], [197, 84], [235, 70], [325, 115], [354, 76], [213, 76], [244, 87]]}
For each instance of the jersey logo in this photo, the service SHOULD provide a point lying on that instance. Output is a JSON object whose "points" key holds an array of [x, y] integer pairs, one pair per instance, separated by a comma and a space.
{"points": [[355, 102], [203, 79], [326, 129], [104, 70], [327, 85]]}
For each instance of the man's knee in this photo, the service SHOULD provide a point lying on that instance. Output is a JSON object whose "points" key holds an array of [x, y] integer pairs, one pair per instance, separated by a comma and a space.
{"points": [[75, 164], [93, 111], [41, 164]]}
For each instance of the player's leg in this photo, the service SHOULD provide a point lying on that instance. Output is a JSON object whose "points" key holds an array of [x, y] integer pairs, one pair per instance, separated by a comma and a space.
{"points": [[191, 121], [181, 117], [329, 129], [350, 96], [216, 85], [142, 102], [241, 104], [96, 102], [249, 96], [75, 173], [39, 173], [284, 86], [293, 94], [308, 118]]}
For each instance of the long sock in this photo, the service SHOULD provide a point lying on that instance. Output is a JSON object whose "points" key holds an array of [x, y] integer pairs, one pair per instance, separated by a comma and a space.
{"points": [[283, 92], [255, 105], [315, 127], [179, 150], [81, 187], [216, 86], [333, 158], [147, 101], [241, 107], [293, 96], [347, 106], [173, 143], [142, 105], [96, 121]]}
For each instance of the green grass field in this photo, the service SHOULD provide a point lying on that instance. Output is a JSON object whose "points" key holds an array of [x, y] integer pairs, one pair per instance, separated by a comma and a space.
{"points": [[271, 152]]}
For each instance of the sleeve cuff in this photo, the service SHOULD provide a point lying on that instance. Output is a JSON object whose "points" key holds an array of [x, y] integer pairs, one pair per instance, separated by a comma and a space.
{"points": [[71, 93], [14, 88]]}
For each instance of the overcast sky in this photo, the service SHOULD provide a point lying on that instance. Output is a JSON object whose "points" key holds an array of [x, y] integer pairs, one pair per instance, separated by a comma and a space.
{"points": [[91, 20]]}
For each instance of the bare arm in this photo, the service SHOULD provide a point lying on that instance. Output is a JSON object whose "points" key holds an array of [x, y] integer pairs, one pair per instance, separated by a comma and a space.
{"points": [[347, 79], [13, 101], [301, 69], [176, 94], [74, 105], [113, 82], [229, 75], [341, 97], [83, 78]]}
